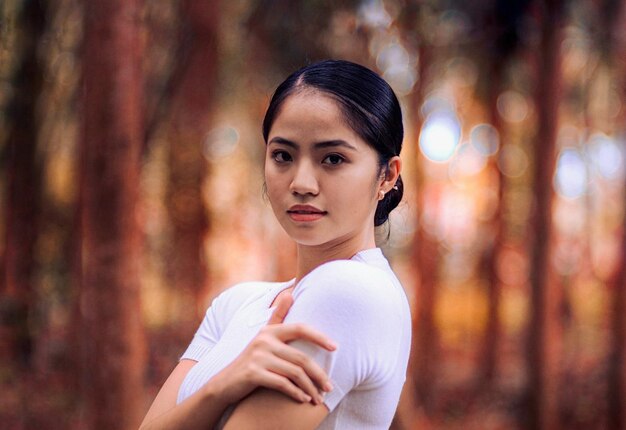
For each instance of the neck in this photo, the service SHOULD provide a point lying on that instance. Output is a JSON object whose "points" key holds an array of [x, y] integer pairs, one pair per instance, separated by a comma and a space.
{"points": [[310, 257]]}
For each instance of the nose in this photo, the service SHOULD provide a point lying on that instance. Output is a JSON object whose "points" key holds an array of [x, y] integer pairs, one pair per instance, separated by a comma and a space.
{"points": [[304, 180]]}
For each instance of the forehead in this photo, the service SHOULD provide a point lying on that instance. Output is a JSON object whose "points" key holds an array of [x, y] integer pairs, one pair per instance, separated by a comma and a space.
{"points": [[312, 113], [315, 97]]}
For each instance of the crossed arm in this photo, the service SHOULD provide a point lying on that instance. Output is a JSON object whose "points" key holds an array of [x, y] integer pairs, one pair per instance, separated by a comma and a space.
{"points": [[262, 409], [271, 410], [273, 385]]}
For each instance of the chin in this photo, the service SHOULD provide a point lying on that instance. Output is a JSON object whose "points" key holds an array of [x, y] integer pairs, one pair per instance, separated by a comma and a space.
{"points": [[305, 236], [306, 239], [310, 243]]}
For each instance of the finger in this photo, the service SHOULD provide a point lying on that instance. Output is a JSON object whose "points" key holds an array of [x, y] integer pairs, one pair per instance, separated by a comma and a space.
{"points": [[314, 371], [277, 382], [288, 332], [298, 376], [283, 304]]}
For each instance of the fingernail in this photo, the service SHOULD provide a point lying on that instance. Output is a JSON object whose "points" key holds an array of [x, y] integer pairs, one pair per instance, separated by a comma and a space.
{"points": [[328, 386], [306, 398]]}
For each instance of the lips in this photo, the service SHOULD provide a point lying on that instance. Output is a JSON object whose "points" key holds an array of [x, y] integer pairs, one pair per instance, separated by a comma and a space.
{"points": [[305, 213]]}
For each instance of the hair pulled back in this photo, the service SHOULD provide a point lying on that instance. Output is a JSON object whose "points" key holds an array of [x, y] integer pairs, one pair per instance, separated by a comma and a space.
{"points": [[368, 104]]}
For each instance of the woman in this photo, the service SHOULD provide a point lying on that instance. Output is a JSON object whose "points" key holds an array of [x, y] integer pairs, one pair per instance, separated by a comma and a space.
{"points": [[261, 358]]}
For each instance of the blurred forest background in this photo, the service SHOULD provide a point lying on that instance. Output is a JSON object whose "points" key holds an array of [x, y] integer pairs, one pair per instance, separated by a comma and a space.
{"points": [[131, 195]]}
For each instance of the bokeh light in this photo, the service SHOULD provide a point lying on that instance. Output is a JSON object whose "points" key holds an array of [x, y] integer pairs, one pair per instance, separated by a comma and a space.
{"points": [[392, 55], [467, 162], [397, 69], [570, 179], [437, 101], [220, 142], [512, 106], [401, 78], [373, 14], [512, 161], [606, 156], [440, 136], [485, 138]]}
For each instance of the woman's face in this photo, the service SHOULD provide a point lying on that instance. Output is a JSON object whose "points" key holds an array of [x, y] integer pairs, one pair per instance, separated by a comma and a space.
{"points": [[322, 178]]}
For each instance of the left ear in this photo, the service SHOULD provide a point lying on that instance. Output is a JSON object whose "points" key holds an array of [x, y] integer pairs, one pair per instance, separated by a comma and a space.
{"points": [[394, 167]]}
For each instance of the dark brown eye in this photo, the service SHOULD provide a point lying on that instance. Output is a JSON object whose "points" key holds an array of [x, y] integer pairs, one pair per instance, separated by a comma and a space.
{"points": [[281, 156], [333, 159]]}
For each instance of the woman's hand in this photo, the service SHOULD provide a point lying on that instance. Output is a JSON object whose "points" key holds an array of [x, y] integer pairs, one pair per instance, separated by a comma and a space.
{"points": [[268, 361]]}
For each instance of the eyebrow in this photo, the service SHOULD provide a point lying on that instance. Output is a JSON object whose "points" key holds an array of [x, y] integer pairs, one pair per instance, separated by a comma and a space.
{"points": [[319, 145]]}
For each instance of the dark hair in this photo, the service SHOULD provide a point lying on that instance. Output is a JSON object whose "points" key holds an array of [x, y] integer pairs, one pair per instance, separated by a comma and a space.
{"points": [[369, 106]]}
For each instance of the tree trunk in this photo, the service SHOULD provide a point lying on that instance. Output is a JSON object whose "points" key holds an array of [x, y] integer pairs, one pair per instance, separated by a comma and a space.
{"points": [[425, 253], [617, 359], [192, 99], [424, 250], [113, 343], [501, 39], [614, 19], [543, 334], [23, 191], [489, 353]]}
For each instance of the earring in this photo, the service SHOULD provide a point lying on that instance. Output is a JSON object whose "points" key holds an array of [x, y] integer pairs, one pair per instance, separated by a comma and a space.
{"points": [[381, 195], [395, 187]]}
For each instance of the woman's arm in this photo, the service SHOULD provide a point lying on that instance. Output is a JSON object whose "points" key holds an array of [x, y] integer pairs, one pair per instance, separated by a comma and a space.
{"points": [[266, 362], [200, 411], [270, 410]]}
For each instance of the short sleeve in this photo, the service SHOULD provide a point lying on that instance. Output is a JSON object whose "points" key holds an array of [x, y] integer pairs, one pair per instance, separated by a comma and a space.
{"points": [[206, 336], [357, 306], [216, 318]]}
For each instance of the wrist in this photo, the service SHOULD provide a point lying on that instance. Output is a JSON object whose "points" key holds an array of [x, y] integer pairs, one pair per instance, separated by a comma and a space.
{"points": [[214, 391]]}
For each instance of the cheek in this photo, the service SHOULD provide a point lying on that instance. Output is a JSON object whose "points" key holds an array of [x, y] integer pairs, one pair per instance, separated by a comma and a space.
{"points": [[362, 184], [358, 192], [273, 182]]}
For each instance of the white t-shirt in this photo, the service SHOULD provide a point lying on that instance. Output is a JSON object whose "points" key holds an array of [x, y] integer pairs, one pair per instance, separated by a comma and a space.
{"points": [[358, 303]]}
